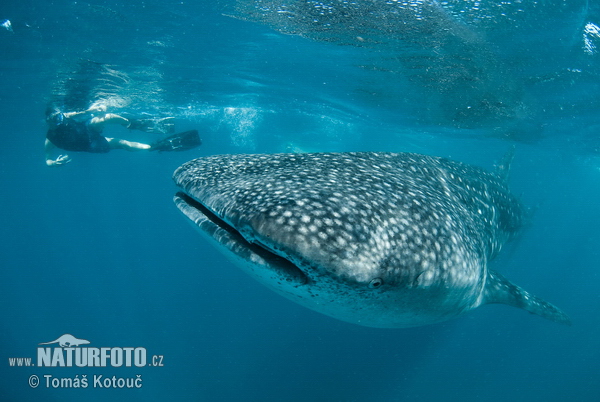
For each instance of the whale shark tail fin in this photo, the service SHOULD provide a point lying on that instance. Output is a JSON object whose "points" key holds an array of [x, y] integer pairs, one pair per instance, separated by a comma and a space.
{"points": [[178, 142], [500, 290]]}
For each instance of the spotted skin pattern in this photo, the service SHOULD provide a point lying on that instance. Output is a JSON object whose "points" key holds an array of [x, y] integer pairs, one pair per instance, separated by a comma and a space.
{"points": [[377, 239]]}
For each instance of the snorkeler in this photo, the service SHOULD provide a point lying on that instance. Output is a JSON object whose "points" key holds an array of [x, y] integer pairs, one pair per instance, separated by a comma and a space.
{"points": [[82, 132]]}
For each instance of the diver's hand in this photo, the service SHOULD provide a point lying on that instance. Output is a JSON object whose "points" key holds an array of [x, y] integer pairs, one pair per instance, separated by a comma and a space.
{"points": [[61, 160]]}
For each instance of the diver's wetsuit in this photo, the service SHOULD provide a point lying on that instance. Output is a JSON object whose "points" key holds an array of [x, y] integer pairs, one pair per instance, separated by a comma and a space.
{"points": [[72, 135]]}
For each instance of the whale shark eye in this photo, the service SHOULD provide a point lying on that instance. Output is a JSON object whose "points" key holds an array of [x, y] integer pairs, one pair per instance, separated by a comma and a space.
{"points": [[375, 283]]}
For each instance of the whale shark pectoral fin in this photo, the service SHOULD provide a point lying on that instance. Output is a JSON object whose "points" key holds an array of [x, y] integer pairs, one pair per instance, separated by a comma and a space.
{"points": [[500, 290], [503, 168]]}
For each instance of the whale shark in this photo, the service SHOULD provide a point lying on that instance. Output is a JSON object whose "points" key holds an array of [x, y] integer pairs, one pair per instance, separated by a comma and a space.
{"points": [[385, 240]]}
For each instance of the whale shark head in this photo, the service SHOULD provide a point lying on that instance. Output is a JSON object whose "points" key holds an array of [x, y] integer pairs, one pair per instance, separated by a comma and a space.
{"points": [[377, 239]]}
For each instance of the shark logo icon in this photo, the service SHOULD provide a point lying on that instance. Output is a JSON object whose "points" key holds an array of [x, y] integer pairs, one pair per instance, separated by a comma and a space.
{"points": [[67, 341]]}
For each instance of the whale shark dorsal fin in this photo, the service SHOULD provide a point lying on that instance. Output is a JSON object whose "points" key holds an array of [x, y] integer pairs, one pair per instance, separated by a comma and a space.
{"points": [[500, 290]]}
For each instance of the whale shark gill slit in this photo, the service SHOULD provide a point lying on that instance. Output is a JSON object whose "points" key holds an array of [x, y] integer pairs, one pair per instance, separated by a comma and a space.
{"points": [[285, 268]]}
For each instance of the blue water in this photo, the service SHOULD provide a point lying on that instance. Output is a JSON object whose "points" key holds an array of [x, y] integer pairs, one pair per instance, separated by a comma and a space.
{"points": [[97, 249]]}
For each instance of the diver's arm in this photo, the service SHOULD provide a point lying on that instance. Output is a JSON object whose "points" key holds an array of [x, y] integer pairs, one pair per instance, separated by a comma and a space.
{"points": [[48, 148], [61, 160], [111, 118], [90, 111], [73, 114]]}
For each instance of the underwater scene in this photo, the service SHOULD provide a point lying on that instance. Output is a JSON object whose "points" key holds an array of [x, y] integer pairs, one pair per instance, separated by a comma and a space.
{"points": [[298, 200]]}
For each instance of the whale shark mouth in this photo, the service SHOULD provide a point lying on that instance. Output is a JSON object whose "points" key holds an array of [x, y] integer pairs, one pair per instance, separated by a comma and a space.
{"points": [[229, 237]]}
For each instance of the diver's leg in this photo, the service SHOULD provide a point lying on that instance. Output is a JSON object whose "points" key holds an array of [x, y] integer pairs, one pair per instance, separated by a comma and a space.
{"points": [[116, 143]]}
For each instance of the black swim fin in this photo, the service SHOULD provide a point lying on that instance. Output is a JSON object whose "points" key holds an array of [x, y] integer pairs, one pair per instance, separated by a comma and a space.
{"points": [[178, 142]]}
